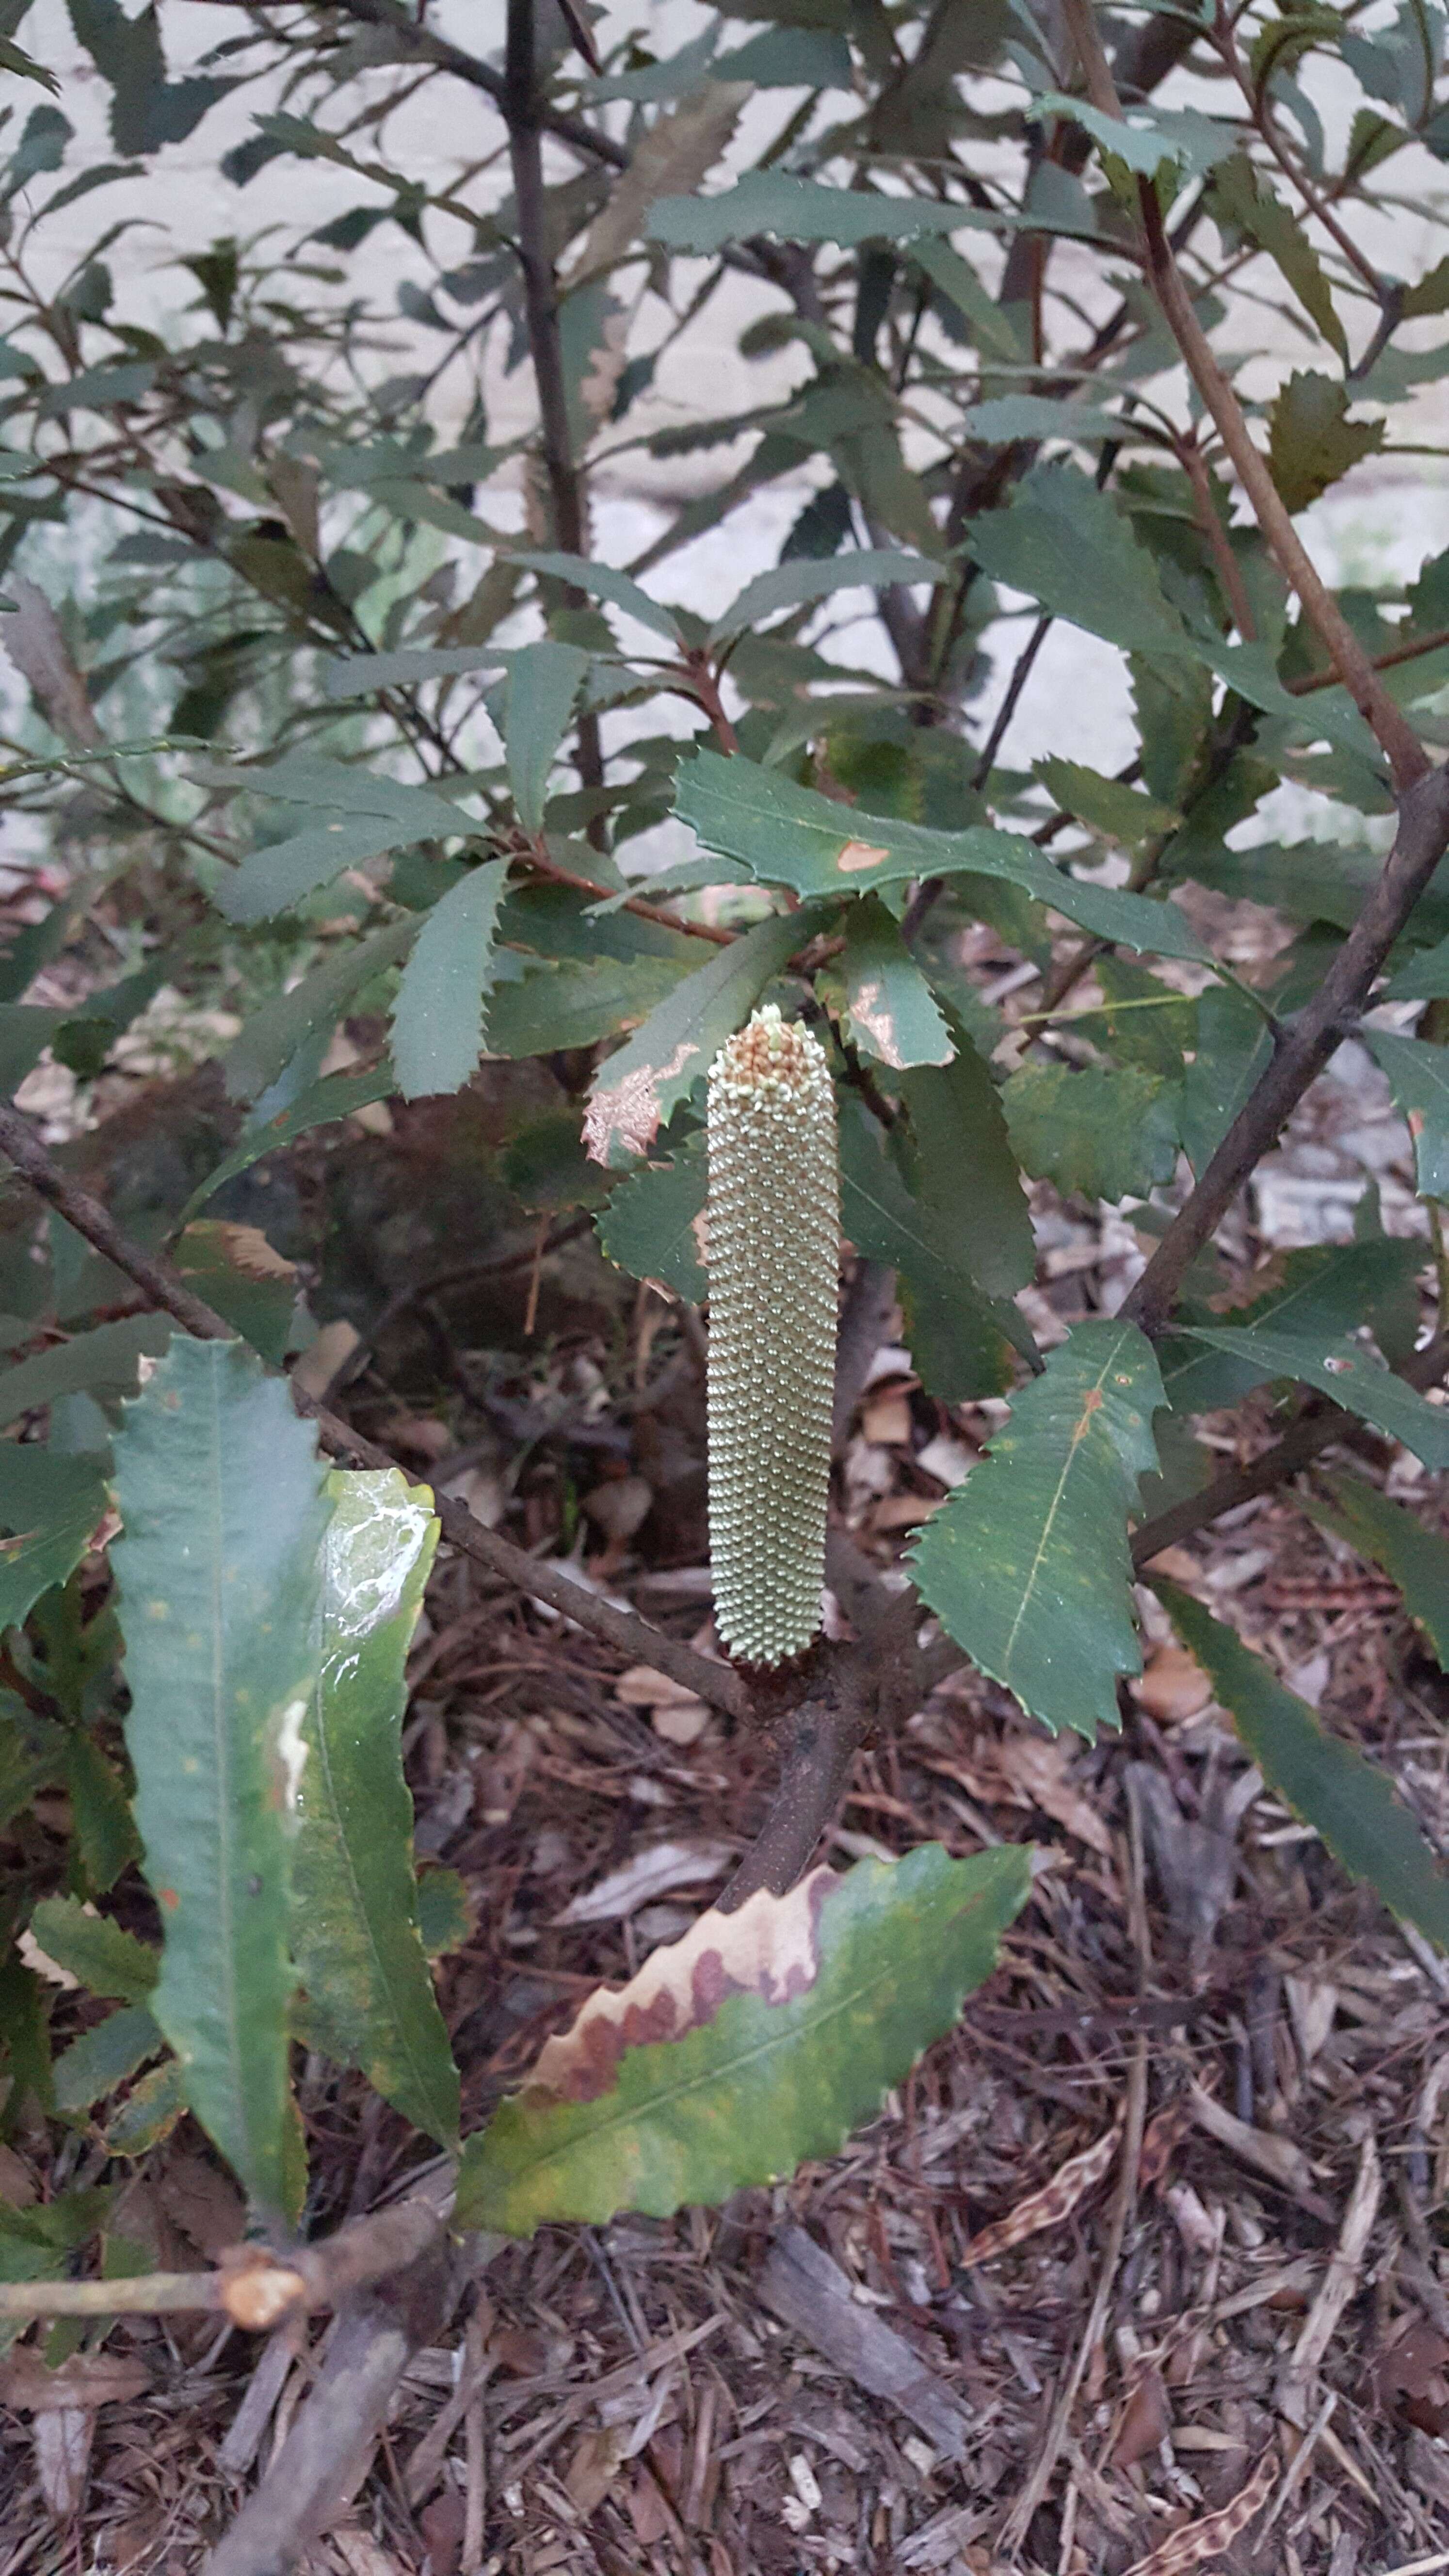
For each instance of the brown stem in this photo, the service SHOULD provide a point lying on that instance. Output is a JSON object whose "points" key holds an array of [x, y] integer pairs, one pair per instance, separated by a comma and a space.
{"points": [[623, 1630], [545, 866], [1229, 570], [1406, 755], [523, 110], [1423, 837], [419, 41]]}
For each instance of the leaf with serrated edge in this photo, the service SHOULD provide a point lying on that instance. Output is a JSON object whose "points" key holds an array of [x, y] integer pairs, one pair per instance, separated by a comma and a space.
{"points": [[960, 1338], [1347, 1800], [652, 1224], [1108, 1131], [879, 995], [1027, 1564], [442, 1000], [354, 1896], [761, 2038], [637, 1091], [543, 682], [1389, 1536], [219, 1488], [791, 835], [54, 1503], [103, 1956], [1350, 1375], [1418, 1077]]}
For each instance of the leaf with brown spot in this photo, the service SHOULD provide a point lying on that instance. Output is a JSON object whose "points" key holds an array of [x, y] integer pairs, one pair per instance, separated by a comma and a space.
{"points": [[759, 2039], [879, 995], [637, 1091]]}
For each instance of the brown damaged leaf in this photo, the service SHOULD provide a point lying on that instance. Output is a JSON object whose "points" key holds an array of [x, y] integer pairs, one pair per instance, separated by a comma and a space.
{"points": [[859, 855], [627, 1113], [38, 649], [1055, 2201], [1410, 2378], [87, 2380], [769, 1948]]}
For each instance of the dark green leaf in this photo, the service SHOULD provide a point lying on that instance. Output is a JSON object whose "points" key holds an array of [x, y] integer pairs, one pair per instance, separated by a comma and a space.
{"points": [[1387, 1535], [444, 1917], [601, 581], [105, 1831], [1418, 1077], [354, 1899], [1240, 197], [1347, 1373], [234, 1268], [961, 1339], [103, 2057], [53, 1504], [1346, 1799], [793, 836], [814, 2005], [543, 682], [219, 1489], [1108, 1131], [441, 1005], [336, 1096], [1234, 1051], [796, 584], [1326, 1289], [650, 1226], [149, 2113], [1144, 1022], [1311, 440], [1106, 805], [273, 1034], [964, 1172], [103, 1363], [1027, 1564], [101, 1955]]}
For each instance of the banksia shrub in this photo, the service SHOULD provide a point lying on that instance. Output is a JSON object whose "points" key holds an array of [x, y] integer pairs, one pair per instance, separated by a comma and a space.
{"points": [[774, 1225]]}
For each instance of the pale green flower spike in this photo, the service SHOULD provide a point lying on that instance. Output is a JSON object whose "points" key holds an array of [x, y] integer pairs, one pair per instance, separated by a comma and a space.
{"points": [[774, 1253]]}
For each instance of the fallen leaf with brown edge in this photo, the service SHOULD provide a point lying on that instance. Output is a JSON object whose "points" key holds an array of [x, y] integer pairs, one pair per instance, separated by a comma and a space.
{"points": [[1410, 2378]]}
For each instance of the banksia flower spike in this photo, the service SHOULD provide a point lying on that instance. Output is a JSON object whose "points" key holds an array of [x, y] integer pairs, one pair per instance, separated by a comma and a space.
{"points": [[774, 1225]]}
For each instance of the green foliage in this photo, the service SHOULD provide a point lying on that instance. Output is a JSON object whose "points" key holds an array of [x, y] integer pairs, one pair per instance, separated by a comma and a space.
{"points": [[441, 1005], [218, 1603], [1312, 441], [1110, 1134], [1358, 1382], [824, 1999], [354, 1901], [1343, 1796], [1418, 1077], [652, 1223], [962, 1339], [1393, 1538], [1026, 1565]]}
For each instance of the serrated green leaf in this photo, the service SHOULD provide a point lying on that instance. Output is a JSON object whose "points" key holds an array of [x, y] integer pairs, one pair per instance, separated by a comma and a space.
{"points": [[273, 1034], [879, 995], [964, 1172], [601, 581], [829, 1996], [1106, 805], [359, 816], [441, 1005], [219, 1489], [637, 1091], [101, 1363], [1326, 1289], [1007, 417], [1109, 1131], [52, 1503], [1311, 440], [32, 1755], [1347, 1373], [234, 1269], [101, 1955], [543, 682], [105, 1830], [1234, 1051], [960, 1338], [322, 1104], [545, 1166], [1347, 1800], [1418, 1077], [573, 1002], [650, 1224], [1389, 1536], [103, 2057], [796, 584], [354, 1897], [791, 835], [1144, 1021], [1027, 1564], [1241, 198]]}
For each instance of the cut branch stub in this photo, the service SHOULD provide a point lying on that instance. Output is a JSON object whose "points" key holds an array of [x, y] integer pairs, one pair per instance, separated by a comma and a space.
{"points": [[774, 1223]]}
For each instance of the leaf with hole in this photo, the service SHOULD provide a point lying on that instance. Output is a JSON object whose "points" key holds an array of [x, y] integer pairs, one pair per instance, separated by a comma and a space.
{"points": [[1027, 1564], [760, 2039], [1346, 1799], [218, 1605]]}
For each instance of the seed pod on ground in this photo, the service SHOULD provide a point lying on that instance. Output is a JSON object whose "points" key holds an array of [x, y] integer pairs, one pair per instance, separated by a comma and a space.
{"points": [[774, 1228]]}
